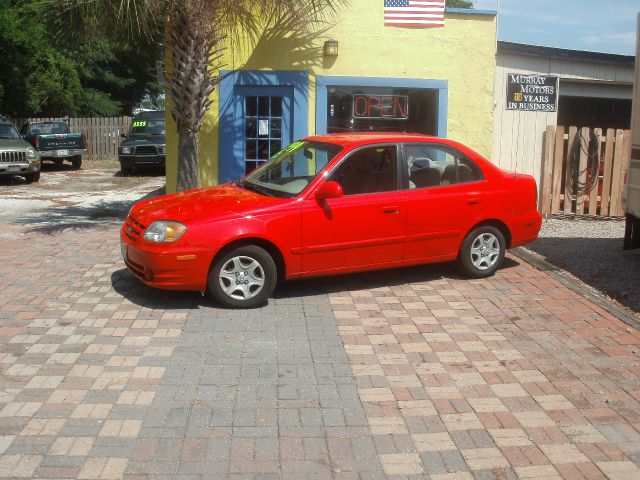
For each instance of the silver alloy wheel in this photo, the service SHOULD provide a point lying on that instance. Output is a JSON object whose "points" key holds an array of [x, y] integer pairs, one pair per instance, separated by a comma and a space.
{"points": [[485, 251], [241, 278]]}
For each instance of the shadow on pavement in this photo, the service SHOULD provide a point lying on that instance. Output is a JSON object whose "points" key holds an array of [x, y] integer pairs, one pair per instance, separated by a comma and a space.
{"points": [[377, 279], [127, 285], [78, 217], [598, 262], [142, 172]]}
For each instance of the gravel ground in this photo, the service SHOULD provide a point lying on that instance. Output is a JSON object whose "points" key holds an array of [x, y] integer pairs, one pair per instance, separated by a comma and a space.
{"points": [[591, 250], [66, 198]]}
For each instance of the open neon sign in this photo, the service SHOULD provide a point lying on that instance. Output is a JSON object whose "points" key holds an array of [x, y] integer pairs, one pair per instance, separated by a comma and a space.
{"points": [[391, 107]]}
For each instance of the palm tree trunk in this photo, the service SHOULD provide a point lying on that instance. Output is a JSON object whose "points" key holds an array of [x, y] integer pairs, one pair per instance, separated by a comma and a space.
{"points": [[188, 177]]}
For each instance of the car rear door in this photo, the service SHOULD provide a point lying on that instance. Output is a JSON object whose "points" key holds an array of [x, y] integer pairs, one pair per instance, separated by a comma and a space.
{"points": [[446, 195], [366, 226]]}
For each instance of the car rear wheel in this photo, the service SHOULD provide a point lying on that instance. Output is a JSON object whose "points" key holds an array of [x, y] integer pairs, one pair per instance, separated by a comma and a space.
{"points": [[482, 252], [32, 177], [243, 278], [76, 162]]}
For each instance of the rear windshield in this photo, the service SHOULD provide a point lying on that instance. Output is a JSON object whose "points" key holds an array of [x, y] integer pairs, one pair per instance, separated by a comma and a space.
{"points": [[48, 128], [147, 126]]}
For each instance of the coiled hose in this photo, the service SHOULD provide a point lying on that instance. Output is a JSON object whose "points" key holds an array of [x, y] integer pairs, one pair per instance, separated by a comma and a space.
{"points": [[591, 147]]}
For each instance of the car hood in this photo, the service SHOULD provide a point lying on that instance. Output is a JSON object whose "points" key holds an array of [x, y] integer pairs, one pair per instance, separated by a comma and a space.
{"points": [[11, 144], [206, 204], [143, 140]]}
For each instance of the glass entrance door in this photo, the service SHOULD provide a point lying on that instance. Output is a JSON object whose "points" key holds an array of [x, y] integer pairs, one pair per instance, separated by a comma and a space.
{"points": [[262, 129], [262, 124]]}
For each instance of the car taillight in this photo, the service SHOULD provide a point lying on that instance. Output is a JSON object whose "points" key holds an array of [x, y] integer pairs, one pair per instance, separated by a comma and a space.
{"points": [[37, 142]]}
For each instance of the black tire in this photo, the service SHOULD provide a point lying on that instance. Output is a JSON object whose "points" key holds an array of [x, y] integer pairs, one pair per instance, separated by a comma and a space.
{"points": [[126, 170], [76, 162], [482, 252], [261, 277], [32, 177]]}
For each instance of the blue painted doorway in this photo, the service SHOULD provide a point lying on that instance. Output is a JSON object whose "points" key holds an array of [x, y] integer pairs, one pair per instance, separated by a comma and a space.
{"points": [[260, 113]]}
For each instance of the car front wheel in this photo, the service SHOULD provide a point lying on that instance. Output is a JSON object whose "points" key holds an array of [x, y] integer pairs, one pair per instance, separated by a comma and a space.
{"points": [[482, 252], [32, 177], [243, 278]]}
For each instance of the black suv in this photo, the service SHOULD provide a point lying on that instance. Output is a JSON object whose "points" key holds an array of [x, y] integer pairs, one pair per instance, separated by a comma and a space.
{"points": [[145, 144]]}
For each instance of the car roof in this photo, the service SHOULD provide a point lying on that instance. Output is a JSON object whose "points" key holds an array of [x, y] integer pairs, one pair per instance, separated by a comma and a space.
{"points": [[366, 138]]}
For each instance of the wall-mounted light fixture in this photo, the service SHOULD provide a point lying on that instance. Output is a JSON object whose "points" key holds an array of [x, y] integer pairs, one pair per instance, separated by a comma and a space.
{"points": [[331, 48]]}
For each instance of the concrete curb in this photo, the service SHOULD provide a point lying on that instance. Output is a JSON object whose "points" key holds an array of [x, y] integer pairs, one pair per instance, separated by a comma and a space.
{"points": [[578, 286]]}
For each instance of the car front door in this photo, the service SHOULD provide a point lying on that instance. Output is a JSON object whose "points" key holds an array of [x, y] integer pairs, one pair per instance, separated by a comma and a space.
{"points": [[367, 225], [445, 196]]}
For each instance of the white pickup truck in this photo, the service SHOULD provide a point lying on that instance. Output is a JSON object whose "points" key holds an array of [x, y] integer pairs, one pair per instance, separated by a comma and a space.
{"points": [[631, 193]]}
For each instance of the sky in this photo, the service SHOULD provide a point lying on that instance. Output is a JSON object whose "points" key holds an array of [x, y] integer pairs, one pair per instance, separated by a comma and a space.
{"points": [[607, 26]]}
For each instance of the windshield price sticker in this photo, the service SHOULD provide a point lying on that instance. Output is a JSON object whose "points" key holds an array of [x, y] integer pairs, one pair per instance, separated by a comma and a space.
{"points": [[294, 146], [140, 123]]}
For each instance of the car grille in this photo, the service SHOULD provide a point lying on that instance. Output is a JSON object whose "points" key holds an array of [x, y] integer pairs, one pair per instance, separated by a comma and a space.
{"points": [[133, 229], [146, 150], [13, 157]]}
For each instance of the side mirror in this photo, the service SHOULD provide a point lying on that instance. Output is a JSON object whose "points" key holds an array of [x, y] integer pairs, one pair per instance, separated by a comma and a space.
{"points": [[328, 190]]}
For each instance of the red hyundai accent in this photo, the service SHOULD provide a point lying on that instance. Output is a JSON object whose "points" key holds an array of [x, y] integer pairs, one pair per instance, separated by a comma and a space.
{"points": [[333, 204]]}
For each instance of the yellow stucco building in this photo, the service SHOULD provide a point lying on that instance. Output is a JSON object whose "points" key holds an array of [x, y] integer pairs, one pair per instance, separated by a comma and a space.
{"points": [[276, 89]]}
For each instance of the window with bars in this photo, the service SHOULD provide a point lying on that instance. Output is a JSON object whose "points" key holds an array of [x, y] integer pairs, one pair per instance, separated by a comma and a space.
{"points": [[263, 129]]}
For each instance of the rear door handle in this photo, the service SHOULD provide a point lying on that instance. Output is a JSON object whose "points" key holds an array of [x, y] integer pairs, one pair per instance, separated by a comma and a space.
{"points": [[390, 210]]}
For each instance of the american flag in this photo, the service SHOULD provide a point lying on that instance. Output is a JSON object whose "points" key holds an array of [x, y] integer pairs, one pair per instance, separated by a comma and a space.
{"points": [[414, 13]]}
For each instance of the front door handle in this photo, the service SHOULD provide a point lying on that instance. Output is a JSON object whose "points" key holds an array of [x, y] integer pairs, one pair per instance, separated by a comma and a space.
{"points": [[390, 210], [473, 201]]}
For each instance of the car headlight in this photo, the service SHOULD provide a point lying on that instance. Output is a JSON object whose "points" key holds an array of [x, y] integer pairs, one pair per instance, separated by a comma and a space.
{"points": [[31, 153], [126, 150], [164, 231]]}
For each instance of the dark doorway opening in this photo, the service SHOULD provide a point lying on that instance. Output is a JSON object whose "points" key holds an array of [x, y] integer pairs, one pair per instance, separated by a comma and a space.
{"points": [[594, 112]]}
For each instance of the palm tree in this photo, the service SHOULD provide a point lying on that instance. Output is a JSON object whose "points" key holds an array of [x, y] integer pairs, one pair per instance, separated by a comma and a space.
{"points": [[196, 34]]}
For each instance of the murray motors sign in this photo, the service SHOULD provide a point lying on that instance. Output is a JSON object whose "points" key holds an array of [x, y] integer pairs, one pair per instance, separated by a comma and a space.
{"points": [[532, 92]]}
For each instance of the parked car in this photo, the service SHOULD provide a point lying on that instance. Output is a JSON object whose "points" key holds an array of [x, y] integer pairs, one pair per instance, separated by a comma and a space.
{"points": [[333, 204], [145, 144], [17, 157], [55, 142]]}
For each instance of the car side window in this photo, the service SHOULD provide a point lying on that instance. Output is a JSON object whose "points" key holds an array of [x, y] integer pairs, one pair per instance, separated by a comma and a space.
{"points": [[435, 166], [369, 170]]}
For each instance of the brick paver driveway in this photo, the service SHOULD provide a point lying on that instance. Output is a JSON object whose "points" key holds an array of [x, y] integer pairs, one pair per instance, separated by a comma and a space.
{"points": [[413, 373]]}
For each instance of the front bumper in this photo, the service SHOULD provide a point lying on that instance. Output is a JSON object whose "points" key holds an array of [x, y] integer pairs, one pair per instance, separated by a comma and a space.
{"points": [[63, 153], [166, 266], [142, 160], [19, 168]]}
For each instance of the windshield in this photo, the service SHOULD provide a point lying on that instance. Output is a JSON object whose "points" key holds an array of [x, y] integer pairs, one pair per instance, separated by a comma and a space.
{"points": [[148, 126], [7, 131], [48, 128], [290, 170]]}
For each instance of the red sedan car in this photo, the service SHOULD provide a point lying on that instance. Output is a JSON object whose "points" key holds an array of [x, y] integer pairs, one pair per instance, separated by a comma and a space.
{"points": [[333, 204]]}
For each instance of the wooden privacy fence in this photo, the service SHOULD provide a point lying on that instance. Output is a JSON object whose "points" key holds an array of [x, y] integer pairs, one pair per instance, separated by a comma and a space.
{"points": [[571, 182], [102, 133]]}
